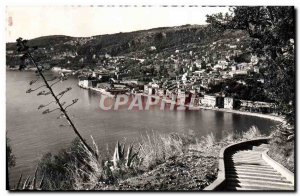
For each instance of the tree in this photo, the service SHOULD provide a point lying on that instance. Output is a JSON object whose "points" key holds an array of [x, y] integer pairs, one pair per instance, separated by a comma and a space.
{"points": [[274, 28], [273, 32], [219, 21]]}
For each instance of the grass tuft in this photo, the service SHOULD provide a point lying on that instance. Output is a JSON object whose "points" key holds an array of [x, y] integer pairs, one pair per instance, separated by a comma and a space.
{"points": [[156, 148]]}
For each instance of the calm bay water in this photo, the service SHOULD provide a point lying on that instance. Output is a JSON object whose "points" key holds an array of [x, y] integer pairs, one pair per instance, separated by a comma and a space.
{"points": [[33, 134]]}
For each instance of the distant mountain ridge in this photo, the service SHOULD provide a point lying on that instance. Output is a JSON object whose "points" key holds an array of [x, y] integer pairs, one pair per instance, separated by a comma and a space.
{"points": [[60, 49]]}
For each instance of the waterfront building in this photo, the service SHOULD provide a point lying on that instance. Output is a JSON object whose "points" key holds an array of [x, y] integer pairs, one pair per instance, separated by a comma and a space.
{"points": [[219, 101], [229, 103], [84, 83], [209, 100], [257, 106], [87, 83], [119, 85], [57, 69], [181, 98], [146, 89], [212, 101], [150, 90]]}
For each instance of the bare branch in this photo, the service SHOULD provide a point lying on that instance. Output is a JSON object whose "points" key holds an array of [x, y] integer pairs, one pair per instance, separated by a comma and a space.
{"points": [[60, 96], [42, 106], [73, 102], [47, 93], [47, 111], [63, 92], [33, 81], [41, 93], [31, 90]]}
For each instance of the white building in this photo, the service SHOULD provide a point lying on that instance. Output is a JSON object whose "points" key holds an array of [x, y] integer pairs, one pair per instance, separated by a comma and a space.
{"points": [[184, 78], [222, 64], [239, 72], [84, 83], [199, 72], [209, 100], [243, 66], [56, 69], [151, 88], [146, 89], [181, 96], [228, 103]]}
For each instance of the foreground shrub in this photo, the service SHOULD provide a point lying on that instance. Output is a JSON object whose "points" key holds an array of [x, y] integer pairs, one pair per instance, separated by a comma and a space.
{"points": [[156, 148], [76, 168], [282, 147]]}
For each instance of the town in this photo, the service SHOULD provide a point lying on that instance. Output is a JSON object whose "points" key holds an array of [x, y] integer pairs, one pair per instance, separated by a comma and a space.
{"points": [[219, 73], [197, 84]]}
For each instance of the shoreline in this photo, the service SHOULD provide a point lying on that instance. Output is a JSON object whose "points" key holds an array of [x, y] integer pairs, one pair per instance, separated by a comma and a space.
{"points": [[99, 90], [260, 115]]}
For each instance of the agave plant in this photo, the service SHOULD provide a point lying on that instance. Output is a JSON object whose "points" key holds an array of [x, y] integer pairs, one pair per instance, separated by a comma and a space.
{"points": [[29, 184], [119, 155], [130, 156], [120, 159]]}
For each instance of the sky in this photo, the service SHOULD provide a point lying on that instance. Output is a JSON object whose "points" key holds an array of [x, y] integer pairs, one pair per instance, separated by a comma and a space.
{"points": [[83, 21]]}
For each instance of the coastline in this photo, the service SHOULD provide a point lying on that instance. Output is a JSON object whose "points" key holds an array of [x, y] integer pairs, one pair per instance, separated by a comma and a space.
{"points": [[102, 91], [266, 116], [260, 115]]}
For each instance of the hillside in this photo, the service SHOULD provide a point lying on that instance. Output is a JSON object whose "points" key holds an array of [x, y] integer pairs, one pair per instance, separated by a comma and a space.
{"points": [[78, 52]]}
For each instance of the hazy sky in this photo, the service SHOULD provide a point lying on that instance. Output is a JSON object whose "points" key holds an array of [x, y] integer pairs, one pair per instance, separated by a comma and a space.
{"points": [[30, 22]]}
